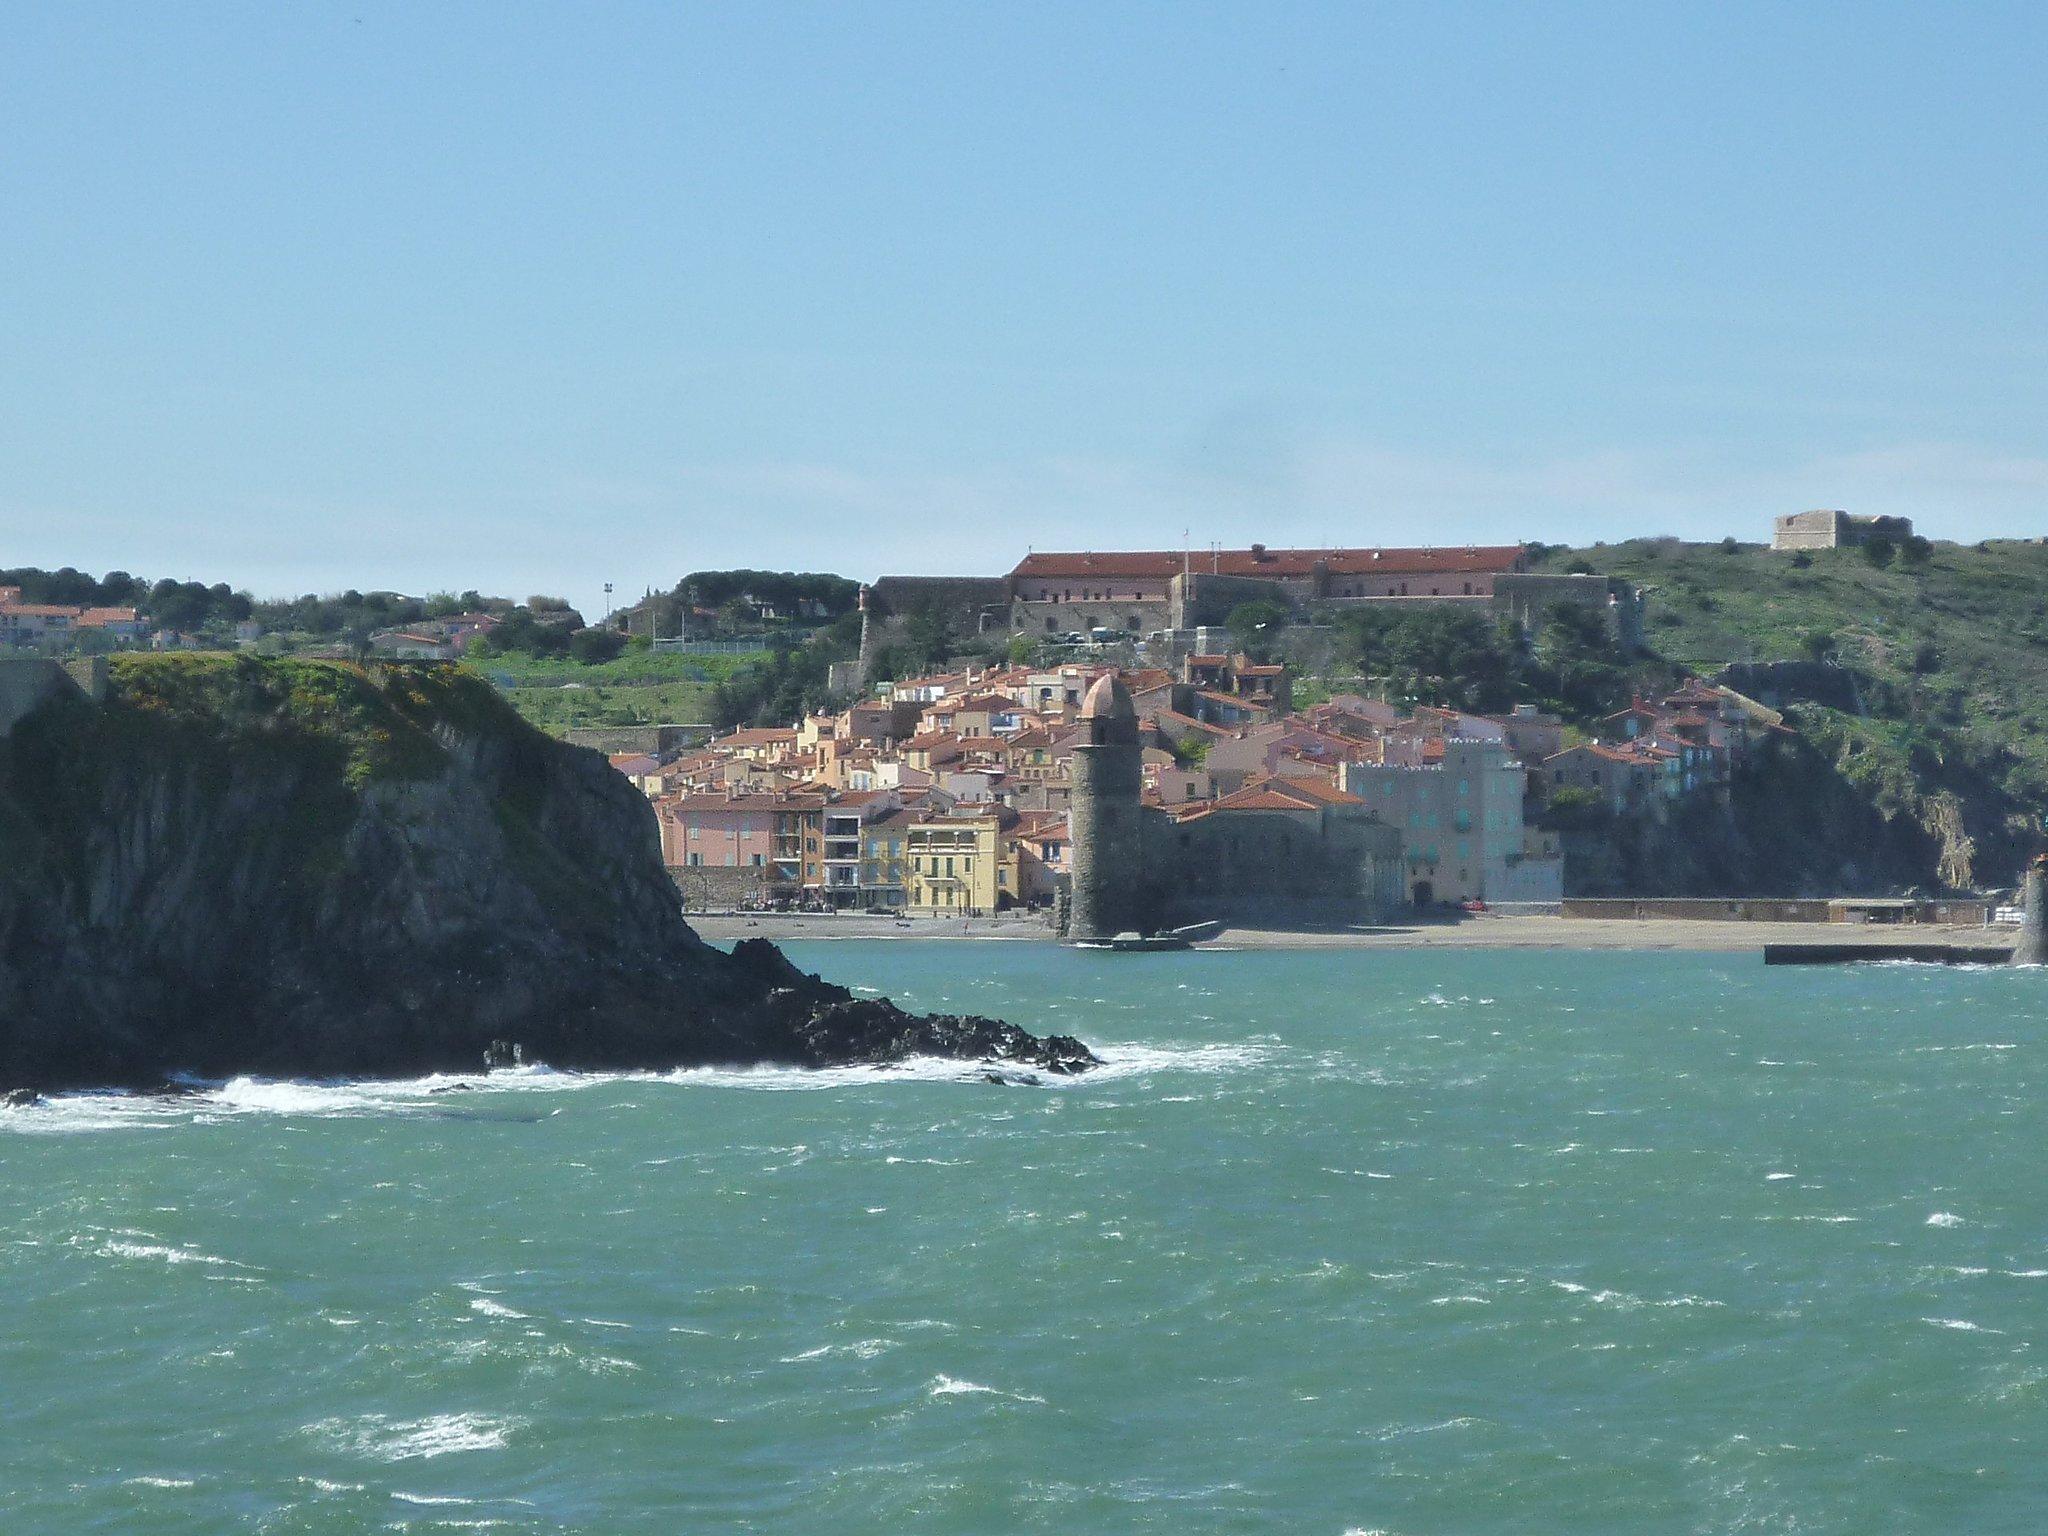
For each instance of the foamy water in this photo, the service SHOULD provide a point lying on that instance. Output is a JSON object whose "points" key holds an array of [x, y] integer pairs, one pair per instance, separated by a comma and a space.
{"points": [[1484, 1243]]}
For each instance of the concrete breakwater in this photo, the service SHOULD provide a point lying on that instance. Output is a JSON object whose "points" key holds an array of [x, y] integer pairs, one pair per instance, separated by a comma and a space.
{"points": [[1851, 954]]}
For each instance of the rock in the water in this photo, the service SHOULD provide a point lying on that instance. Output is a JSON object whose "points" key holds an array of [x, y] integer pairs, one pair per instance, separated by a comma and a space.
{"points": [[21, 1098], [288, 868]]}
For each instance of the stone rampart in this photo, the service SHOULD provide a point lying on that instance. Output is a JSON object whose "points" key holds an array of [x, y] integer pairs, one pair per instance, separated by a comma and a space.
{"points": [[718, 887], [651, 739], [27, 682]]}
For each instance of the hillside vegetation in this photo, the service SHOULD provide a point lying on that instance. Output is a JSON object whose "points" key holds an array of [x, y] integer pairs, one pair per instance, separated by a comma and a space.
{"points": [[638, 687], [1926, 676]]}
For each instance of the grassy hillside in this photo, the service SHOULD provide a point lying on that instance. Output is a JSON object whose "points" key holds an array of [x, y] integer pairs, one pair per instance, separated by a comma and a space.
{"points": [[1942, 715], [638, 688]]}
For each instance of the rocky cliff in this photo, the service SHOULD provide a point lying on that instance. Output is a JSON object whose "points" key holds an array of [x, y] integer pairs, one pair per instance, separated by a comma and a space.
{"points": [[294, 868]]}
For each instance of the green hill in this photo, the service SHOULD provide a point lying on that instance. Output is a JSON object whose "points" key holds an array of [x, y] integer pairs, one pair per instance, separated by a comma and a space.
{"points": [[1931, 696]]}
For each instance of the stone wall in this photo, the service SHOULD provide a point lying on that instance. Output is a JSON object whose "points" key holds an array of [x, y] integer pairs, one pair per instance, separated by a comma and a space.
{"points": [[651, 739], [1138, 615], [969, 604], [1697, 909], [1200, 598], [27, 683], [1293, 868], [718, 887], [1834, 530], [1524, 597]]}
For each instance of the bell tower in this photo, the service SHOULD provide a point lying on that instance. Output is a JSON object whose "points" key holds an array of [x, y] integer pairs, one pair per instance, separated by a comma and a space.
{"points": [[1106, 837]]}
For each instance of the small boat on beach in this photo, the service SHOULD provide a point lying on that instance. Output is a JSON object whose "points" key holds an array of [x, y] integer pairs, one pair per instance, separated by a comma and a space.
{"points": [[1148, 943]]}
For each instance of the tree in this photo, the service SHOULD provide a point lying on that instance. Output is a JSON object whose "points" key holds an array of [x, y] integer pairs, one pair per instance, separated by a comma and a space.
{"points": [[595, 646], [1256, 626], [929, 636]]}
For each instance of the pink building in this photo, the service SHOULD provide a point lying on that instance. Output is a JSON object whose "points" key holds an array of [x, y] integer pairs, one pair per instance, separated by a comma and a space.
{"points": [[719, 831]]}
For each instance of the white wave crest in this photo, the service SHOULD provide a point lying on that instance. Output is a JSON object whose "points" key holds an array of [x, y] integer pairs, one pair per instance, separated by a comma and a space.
{"points": [[122, 1248], [860, 1349], [1944, 1219], [451, 1094], [379, 1437], [949, 1386]]}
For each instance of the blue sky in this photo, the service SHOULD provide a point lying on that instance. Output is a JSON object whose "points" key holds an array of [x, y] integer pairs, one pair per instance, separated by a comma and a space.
{"points": [[529, 298]]}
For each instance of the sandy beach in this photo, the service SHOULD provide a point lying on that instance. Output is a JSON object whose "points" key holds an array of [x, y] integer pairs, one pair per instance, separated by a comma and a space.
{"points": [[1480, 931]]}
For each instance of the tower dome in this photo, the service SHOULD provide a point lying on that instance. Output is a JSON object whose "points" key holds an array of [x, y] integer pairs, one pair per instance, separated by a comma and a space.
{"points": [[1108, 699]]}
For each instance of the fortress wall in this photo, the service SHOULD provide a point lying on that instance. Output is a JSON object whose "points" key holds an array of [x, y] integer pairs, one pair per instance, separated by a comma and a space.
{"points": [[26, 683]]}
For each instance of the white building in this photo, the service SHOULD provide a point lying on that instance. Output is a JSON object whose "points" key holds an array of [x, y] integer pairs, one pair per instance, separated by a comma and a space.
{"points": [[1460, 819]]}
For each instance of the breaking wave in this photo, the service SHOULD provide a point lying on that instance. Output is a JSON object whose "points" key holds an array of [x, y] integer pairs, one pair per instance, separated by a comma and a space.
{"points": [[458, 1096]]}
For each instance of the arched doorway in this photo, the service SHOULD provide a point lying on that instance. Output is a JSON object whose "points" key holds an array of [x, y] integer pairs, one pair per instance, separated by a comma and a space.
{"points": [[1425, 894]]}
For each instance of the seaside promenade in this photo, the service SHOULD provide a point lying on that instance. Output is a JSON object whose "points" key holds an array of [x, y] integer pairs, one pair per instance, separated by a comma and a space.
{"points": [[1474, 931]]}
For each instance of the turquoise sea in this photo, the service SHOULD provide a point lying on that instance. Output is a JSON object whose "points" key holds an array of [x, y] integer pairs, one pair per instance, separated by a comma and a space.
{"points": [[1338, 1243]]}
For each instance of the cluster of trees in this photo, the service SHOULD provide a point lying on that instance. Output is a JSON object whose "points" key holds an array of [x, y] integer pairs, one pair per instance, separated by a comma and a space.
{"points": [[182, 605], [1457, 659], [793, 680], [793, 594], [354, 613]]}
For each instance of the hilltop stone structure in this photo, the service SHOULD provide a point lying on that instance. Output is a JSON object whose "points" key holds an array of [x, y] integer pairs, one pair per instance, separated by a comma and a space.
{"points": [[1292, 854], [1835, 530]]}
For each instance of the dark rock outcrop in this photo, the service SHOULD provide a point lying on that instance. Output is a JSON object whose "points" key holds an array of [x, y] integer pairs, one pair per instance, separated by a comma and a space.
{"points": [[297, 869]]}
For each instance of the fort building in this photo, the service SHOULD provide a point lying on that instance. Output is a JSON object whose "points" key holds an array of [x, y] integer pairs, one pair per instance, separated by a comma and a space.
{"points": [[1835, 530]]}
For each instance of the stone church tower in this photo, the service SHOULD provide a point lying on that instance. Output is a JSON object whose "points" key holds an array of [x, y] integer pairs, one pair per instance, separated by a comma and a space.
{"points": [[1106, 835], [870, 640]]}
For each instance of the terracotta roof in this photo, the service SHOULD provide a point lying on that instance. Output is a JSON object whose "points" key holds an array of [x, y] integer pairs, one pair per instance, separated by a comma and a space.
{"points": [[1190, 722], [1314, 789], [1264, 799], [1271, 563]]}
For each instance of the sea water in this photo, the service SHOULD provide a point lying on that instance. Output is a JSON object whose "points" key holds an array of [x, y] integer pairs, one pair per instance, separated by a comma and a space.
{"points": [[1337, 1242]]}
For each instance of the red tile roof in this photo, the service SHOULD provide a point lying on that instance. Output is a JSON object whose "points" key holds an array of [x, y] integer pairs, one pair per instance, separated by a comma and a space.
{"points": [[1272, 563]]}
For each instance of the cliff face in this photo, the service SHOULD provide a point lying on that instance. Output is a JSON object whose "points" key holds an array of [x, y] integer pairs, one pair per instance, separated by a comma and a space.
{"points": [[1793, 825], [293, 868]]}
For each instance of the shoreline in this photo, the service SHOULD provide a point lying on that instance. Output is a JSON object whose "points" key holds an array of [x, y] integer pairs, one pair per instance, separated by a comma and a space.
{"points": [[1478, 931]]}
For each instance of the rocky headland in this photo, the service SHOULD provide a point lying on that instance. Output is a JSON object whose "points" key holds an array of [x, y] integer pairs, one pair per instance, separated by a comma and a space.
{"points": [[290, 868]]}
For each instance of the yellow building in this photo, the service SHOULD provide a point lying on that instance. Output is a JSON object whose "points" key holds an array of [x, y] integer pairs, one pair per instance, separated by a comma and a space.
{"points": [[955, 866]]}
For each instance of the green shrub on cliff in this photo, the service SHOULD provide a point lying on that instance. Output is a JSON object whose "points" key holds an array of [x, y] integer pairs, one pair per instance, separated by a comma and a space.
{"points": [[380, 720]]}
